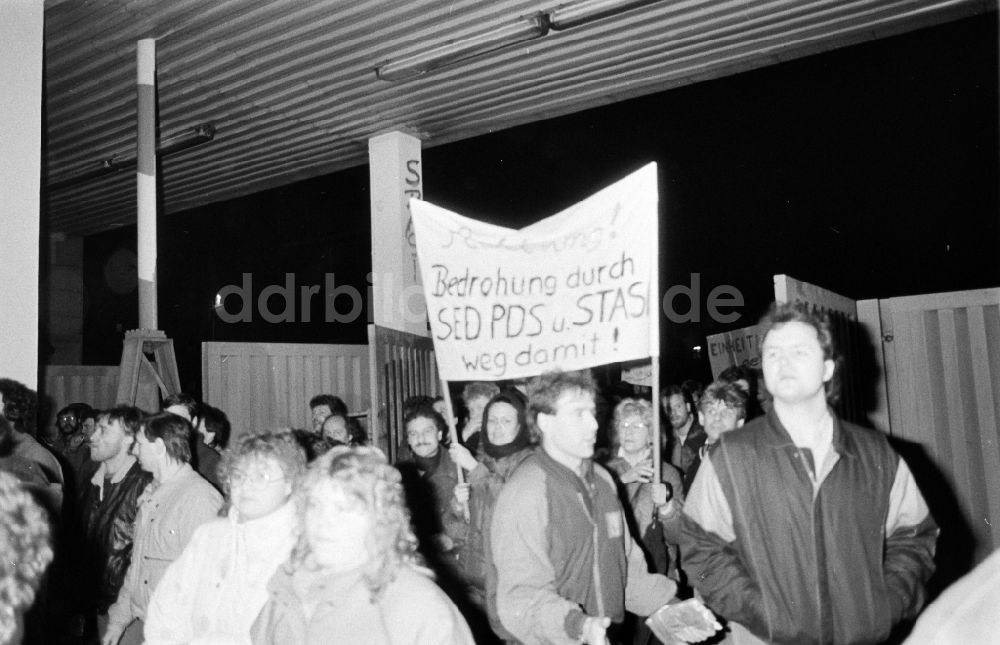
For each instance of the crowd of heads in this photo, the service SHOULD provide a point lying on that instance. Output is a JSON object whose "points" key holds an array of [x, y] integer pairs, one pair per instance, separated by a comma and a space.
{"points": [[350, 500]]}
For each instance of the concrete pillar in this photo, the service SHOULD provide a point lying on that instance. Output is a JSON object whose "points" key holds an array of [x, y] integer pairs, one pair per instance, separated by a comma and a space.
{"points": [[396, 175], [20, 182]]}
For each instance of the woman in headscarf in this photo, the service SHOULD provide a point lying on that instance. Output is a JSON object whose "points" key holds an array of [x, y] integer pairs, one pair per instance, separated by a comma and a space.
{"points": [[355, 576], [505, 441], [214, 591]]}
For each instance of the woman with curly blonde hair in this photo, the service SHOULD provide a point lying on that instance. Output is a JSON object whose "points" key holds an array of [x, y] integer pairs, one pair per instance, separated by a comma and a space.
{"points": [[214, 591], [355, 576], [24, 543]]}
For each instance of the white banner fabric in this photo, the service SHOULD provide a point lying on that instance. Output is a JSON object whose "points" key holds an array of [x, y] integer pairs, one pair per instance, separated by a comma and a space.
{"points": [[575, 290]]}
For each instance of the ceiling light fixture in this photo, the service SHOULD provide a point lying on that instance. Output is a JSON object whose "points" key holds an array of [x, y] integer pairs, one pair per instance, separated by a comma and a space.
{"points": [[126, 160], [524, 29], [579, 13]]}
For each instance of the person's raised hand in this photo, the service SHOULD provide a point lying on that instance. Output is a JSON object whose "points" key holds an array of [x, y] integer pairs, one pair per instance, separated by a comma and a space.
{"points": [[595, 630], [461, 456], [641, 473]]}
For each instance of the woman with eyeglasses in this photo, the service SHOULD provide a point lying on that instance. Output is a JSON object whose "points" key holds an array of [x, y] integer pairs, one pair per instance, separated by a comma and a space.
{"points": [[214, 591], [654, 525], [355, 575]]}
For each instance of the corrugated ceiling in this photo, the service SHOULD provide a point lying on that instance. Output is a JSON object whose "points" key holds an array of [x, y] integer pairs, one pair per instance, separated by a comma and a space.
{"points": [[291, 89]]}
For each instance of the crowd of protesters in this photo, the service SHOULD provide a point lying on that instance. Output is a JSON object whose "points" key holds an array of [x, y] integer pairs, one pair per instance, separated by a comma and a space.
{"points": [[532, 519]]}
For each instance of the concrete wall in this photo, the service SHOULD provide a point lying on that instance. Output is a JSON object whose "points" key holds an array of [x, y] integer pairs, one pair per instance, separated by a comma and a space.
{"points": [[21, 24]]}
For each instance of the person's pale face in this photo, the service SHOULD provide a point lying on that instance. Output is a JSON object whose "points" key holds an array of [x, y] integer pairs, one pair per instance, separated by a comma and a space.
{"points": [[337, 528], [570, 433], [501, 423], [108, 440], [335, 427], [258, 487], [634, 433], [718, 418], [423, 436], [147, 452], [678, 410], [319, 415], [476, 407], [180, 411], [794, 367]]}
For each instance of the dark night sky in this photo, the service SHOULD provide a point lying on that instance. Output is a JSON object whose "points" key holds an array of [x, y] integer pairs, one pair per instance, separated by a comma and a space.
{"points": [[872, 171]]}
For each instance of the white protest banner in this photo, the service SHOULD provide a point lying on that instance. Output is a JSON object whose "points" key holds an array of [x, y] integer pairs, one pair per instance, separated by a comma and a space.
{"points": [[572, 291], [734, 348]]}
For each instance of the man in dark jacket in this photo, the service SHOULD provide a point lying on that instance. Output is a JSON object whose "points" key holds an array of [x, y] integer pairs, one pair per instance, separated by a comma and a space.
{"points": [[687, 436], [429, 478], [110, 502], [800, 527]]}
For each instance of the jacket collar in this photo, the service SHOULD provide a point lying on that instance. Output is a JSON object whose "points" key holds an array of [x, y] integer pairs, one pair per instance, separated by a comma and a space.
{"points": [[647, 453], [580, 481], [102, 471], [504, 466], [275, 524], [322, 589], [777, 435]]}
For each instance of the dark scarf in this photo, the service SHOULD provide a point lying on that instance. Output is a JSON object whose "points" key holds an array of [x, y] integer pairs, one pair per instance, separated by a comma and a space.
{"points": [[428, 465], [521, 441]]}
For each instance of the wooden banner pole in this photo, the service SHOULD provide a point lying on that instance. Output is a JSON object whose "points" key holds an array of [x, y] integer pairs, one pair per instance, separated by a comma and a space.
{"points": [[453, 438], [657, 440]]}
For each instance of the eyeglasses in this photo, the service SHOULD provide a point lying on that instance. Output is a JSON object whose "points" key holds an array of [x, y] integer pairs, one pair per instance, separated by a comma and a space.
{"points": [[634, 426], [719, 411], [255, 477]]}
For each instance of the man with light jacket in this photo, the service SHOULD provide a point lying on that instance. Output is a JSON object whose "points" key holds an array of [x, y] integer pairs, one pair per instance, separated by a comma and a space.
{"points": [[174, 504]]}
